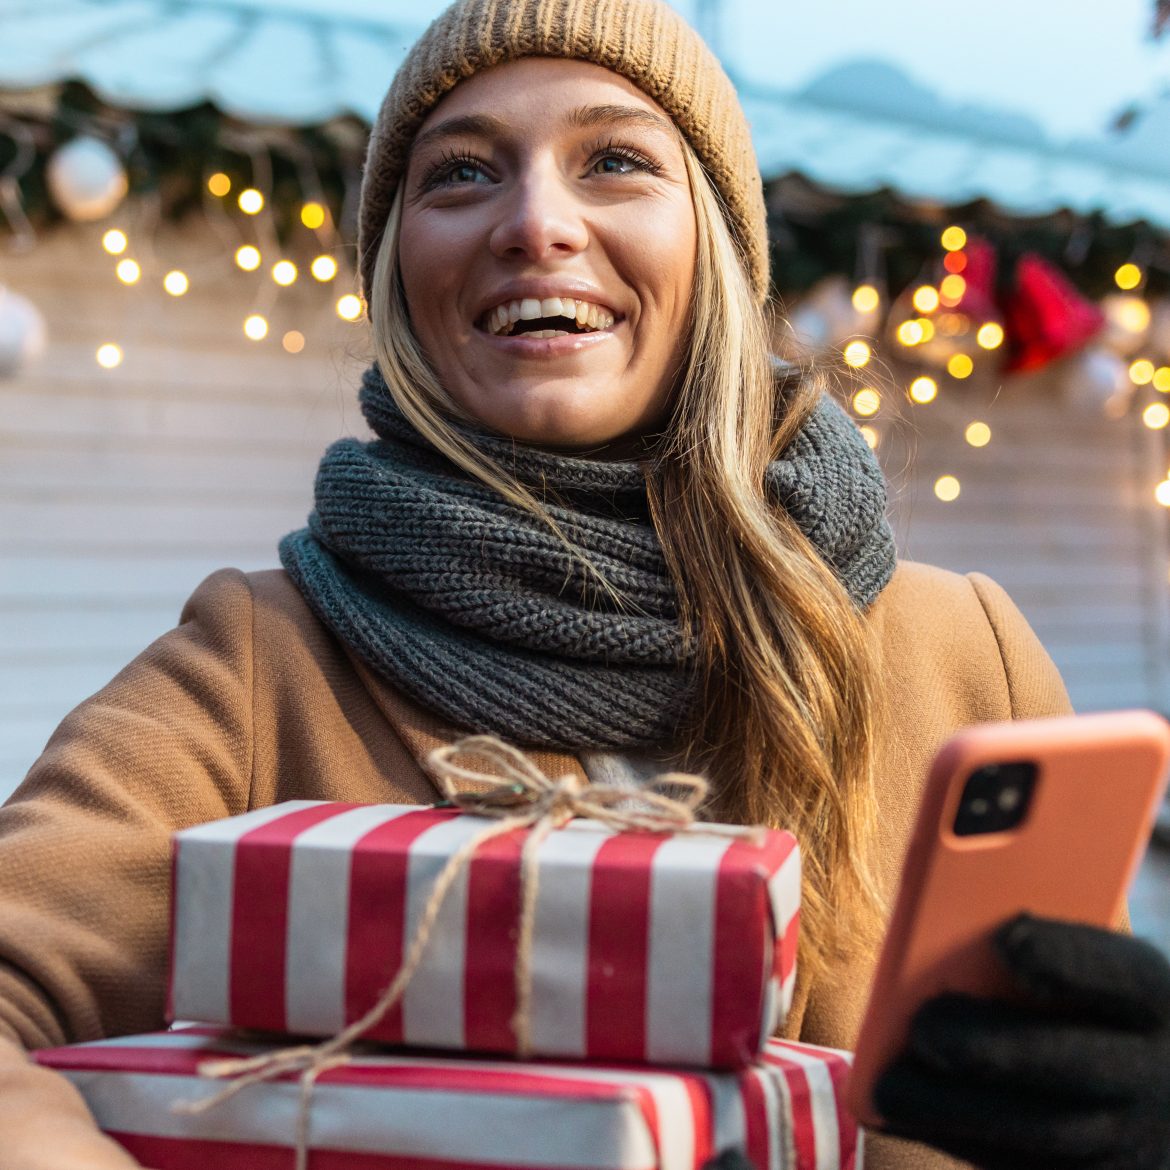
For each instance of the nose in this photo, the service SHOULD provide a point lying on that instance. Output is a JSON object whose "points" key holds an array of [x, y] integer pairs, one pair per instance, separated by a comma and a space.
{"points": [[541, 218]]}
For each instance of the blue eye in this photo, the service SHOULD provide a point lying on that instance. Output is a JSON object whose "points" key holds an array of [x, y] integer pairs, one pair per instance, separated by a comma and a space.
{"points": [[614, 164], [455, 171], [615, 158], [464, 173]]}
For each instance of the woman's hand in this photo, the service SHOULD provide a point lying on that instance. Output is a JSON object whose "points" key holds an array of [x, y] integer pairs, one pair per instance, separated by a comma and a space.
{"points": [[1074, 1074]]}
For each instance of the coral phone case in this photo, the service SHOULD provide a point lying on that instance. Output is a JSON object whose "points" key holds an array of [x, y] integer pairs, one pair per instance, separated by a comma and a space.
{"points": [[1098, 785]]}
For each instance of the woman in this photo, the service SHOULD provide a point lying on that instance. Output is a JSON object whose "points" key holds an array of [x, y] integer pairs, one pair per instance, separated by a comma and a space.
{"points": [[598, 522]]}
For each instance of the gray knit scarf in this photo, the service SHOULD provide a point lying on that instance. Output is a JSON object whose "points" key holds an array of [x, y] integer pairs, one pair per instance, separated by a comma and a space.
{"points": [[476, 610]]}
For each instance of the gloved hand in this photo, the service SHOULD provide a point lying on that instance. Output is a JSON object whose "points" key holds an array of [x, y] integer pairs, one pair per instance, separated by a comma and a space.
{"points": [[1075, 1075]]}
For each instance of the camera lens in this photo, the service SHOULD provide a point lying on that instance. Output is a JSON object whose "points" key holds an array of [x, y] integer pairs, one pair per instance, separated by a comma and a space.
{"points": [[995, 798]]}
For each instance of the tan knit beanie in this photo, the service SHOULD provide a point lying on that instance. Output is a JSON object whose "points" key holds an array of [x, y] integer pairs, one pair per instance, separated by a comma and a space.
{"points": [[645, 41]]}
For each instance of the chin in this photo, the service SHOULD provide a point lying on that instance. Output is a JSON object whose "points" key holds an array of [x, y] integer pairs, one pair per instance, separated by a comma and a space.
{"points": [[555, 417]]}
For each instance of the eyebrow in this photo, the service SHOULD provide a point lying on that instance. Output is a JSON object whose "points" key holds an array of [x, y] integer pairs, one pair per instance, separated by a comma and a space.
{"points": [[582, 118]]}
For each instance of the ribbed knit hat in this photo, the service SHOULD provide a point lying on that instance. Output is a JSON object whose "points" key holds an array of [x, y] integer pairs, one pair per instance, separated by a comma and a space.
{"points": [[645, 41]]}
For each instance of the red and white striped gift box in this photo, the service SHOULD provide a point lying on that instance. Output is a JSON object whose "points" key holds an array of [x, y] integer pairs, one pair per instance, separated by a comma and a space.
{"points": [[661, 948], [393, 1112]]}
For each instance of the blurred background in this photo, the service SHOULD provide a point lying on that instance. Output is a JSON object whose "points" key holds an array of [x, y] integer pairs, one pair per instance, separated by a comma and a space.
{"points": [[970, 216]]}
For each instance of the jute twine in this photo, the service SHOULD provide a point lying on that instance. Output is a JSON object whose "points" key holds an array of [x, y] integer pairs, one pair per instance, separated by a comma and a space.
{"points": [[520, 796]]}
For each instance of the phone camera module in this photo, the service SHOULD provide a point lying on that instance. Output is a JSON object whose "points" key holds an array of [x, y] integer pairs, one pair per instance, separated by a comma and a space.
{"points": [[995, 798]]}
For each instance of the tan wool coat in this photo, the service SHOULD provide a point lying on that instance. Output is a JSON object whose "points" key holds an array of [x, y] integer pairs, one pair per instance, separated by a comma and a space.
{"points": [[250, 701]]}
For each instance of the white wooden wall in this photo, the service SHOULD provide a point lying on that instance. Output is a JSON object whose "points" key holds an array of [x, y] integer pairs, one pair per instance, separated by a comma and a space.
{"points": [[1059, 509], [120, 490]]}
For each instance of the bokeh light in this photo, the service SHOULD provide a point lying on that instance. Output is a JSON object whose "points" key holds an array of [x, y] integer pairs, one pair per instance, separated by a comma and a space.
{"points": [[947, 488], [867, 402], [978, 434], [923, 390], [256, 327]]}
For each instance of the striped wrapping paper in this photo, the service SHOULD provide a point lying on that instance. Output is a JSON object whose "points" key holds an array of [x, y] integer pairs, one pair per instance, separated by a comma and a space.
{"points": [[660, 948], [391, 1112]]}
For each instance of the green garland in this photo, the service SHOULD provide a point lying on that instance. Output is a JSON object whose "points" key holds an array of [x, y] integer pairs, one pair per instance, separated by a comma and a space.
{"points": [[815, 233]]}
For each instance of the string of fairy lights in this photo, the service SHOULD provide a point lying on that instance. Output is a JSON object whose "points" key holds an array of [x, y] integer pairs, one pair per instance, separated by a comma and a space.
{"points": [[949, 329], [247, 257]]}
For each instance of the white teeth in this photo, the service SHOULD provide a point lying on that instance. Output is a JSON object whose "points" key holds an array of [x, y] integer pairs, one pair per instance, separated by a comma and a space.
{"points": [[502, 318]]}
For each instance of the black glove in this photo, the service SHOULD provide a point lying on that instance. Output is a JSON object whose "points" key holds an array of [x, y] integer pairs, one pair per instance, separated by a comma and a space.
{"points": [[730, 1160], [1074, 1075]]}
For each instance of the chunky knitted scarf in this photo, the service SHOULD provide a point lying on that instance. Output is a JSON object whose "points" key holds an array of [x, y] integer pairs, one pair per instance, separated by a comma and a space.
{"points": [[475, 609]]}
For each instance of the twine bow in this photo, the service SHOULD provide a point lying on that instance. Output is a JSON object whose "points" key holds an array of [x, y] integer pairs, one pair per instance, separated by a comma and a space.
{"points": [[521, 796]]}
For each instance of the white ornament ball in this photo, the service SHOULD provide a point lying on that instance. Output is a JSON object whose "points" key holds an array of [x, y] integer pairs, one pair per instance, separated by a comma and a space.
{"points": [[22, 333], [826, 317], [86, 179], [1097, 380]]}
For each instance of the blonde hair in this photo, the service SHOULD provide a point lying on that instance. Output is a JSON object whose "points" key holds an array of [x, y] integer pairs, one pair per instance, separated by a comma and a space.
{"points": [[784, 723]]}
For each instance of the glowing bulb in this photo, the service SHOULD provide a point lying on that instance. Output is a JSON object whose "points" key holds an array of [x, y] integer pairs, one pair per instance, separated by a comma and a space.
{"points": [[927, 327], [109, 355], [1128, 276], [978, 434], [256, 327], [114, 242], [324, 268], [925, 299], [866, 298], [857, 354], [349, 307], [128, 271], [1141, 372], [1156, 415], [1162, 379], [990, 336], [954, 239], [910, 332], [867, 401], [960, 366], [251, 201], [947, 488], [1132, 314], [1162, 493], [293, 341], [871, 437], [955, 261], [313, 215], [219, 184], [951, 289], [176, 283], [284, 272], [923, 390], [248, 258]]}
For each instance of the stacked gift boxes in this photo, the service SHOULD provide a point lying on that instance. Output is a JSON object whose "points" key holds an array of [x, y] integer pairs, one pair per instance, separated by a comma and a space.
{"points": [[661, 963]]}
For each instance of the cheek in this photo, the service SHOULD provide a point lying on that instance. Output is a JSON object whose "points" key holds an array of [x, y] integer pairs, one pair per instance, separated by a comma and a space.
{"points": [[659, 250], [430, 257]]}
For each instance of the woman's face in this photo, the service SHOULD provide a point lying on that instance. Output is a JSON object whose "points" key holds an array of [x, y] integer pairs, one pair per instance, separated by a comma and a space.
{"points": [[547, 252]]}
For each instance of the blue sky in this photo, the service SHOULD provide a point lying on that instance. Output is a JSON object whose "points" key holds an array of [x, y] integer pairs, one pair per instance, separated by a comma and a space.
{"points": [[1071, 64]]}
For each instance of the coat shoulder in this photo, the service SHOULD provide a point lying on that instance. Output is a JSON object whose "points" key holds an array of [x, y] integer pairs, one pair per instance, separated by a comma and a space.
{"points": [[962, 638]]}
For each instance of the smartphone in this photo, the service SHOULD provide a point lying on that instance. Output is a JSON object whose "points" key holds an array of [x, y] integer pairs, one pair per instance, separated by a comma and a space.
{"points": [[1049, 816]]}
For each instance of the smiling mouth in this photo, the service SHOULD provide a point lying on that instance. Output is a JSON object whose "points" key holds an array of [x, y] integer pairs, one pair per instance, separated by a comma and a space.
{"points": [[550, 317]]}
